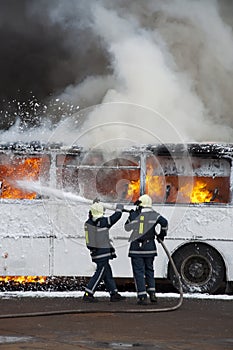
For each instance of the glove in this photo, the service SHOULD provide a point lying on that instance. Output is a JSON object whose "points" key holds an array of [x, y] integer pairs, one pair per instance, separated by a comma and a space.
{"points": [[120, 207], [160, 237], [113, 253], [137, 203], [96, 200], [93, 251]]}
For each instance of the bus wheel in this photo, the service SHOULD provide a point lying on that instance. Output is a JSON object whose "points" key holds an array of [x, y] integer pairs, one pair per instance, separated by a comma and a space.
{"points": [[200, 266]]}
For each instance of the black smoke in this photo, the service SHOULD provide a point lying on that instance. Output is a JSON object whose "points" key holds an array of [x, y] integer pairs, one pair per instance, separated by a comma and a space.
{"points": [[40, 57]]}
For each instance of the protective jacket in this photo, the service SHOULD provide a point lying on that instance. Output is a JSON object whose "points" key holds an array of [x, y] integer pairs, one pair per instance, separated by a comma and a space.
{"points": [[97, 236], [143, 222]]}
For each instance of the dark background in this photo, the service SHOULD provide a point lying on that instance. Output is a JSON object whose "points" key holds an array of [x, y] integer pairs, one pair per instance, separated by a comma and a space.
{"points": [[40, 56]]}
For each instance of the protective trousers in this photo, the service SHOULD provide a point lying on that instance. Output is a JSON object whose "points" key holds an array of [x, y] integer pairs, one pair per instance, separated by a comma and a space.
{"points": [[103, 273], [143, 271]]}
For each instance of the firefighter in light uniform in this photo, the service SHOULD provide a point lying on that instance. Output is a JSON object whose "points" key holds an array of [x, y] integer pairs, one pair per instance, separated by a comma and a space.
{"points": [[142, 250], [98, 242]]}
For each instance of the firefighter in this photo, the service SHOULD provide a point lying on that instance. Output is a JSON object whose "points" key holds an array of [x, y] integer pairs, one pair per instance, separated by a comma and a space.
{"points": [[98, 242], [142, 250]]}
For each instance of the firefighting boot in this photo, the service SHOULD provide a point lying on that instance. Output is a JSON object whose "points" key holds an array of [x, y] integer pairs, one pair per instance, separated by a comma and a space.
{"points": [[142, 300], [88, 297], [116, 297], [153, 297]]}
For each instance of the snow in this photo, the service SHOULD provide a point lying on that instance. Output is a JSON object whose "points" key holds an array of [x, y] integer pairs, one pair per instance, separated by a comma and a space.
{"points": [[79, 294]]}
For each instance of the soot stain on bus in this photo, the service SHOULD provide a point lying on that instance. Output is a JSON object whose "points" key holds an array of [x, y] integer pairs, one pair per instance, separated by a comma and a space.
{"points": [[194, 180]]}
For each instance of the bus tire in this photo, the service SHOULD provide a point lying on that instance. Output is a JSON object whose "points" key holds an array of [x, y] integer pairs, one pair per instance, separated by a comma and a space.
{"points": [[200, 266]]}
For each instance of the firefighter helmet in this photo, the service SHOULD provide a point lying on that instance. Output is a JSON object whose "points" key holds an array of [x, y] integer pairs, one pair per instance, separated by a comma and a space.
{"points": [[97, 210], [145, 201]]}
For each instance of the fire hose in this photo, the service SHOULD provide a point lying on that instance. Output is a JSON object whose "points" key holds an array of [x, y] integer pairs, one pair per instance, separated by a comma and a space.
{"points": [[87, 311]]}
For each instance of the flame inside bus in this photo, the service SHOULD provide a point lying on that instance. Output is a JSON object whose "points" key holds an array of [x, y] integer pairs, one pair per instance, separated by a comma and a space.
{"points": [[17, 169], [174, 188], [191, 191]]}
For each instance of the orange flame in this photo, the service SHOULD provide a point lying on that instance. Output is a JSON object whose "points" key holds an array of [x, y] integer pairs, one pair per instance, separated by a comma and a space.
{"points": [[183, 189], [28, 168], [200, 193], [133, 190], [155, 186], [23, 279], [197, 192]]}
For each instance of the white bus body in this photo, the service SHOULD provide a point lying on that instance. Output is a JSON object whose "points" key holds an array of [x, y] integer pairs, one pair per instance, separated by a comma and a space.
{"points": [[191, 185]]}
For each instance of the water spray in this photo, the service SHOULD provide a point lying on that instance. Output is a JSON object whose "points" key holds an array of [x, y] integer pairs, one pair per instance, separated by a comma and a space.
{"points": [[57, 193]]}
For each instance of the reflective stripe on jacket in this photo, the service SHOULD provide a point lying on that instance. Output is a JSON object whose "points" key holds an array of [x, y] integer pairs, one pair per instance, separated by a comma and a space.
{"points": [[142, 223]]}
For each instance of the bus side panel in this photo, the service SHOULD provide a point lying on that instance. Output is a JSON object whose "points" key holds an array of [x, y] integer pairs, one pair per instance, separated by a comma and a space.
{"points": [[72, 258], [24, 218], [25, 256], [209, 224], [47, 237], [201, 221]]}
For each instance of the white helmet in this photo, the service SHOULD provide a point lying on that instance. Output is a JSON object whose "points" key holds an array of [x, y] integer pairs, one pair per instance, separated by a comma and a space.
{"points": [[145, 200], [97, 210]]}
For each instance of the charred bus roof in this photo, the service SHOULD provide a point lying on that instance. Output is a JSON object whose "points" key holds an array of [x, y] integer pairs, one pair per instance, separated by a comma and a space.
{"points": [[37, 147], [192, 149], [170, 149]]}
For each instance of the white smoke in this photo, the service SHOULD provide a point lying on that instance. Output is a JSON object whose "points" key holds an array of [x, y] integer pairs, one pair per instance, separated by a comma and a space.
{"points": [[172, 73], [176, 68]]}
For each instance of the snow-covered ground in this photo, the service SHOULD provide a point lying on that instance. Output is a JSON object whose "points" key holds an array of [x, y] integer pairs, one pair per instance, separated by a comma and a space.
{"points": [[78, 294]]}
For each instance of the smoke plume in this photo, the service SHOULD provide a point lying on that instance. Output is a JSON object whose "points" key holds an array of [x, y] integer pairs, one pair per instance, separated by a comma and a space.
{"points": [[99, 71]]}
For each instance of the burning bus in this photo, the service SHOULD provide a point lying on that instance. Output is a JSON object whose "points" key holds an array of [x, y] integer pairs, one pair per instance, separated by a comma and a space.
{"points": [[191, 185]]}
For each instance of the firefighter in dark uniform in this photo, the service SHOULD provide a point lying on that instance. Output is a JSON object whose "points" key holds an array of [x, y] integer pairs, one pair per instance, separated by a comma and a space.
{"points": [[142, 250], [98, 242]]}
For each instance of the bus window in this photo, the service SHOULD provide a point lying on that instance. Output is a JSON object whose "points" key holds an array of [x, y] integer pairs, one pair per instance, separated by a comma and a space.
{"points": [[78, 172], [93, 176], [67, 172], [15, 167], [119, 180], [183, 180]]}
